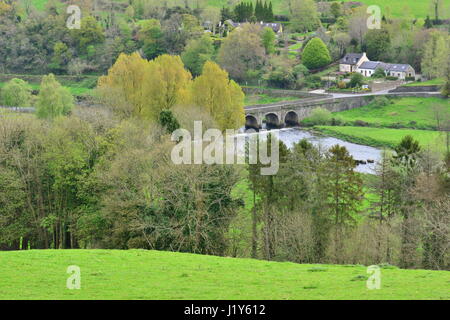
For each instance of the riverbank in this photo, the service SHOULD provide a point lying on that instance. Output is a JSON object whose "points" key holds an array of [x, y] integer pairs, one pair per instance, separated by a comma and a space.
{"points": [[385, 138]]}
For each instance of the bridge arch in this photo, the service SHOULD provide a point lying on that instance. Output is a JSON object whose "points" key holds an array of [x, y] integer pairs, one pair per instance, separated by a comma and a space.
{"points": [[291, 119], [272, 121], [251, 122]]}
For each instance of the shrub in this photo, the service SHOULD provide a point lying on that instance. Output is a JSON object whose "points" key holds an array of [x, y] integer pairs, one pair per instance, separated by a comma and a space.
{"points": [[391, 78], [313, 81], [341, 85], [16, 93], [379, 102], [316, 54], [320, 116], [379, 73], [360, 123], [356, 80]]}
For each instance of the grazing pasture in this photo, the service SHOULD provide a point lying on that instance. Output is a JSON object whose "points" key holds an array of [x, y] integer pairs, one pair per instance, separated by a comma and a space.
{"points": [[142, 274]]}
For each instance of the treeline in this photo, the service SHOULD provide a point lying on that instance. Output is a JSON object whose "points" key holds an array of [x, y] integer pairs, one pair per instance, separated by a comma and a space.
{"points": [[245, 11], [317, 209], [93, 180]]}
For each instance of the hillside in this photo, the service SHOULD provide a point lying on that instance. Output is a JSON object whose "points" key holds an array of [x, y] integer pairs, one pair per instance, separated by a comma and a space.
{"points": [[397, 8], [140, 274]]}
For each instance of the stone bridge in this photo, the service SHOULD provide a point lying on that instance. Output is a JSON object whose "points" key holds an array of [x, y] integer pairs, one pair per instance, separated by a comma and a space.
{"points": [[289, 113]]}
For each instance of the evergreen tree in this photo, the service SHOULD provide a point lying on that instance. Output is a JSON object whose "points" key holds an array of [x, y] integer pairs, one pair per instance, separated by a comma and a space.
{"points": [[270, 17]]}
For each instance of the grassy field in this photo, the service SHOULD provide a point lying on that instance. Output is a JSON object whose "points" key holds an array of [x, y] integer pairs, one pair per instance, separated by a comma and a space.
{"points": [[383, 137], [434, 82], [76, 91], [406, 112], [393, 8], [140, 274]]}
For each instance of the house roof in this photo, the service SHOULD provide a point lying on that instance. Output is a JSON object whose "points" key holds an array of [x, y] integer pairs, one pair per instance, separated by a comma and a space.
{"points": [[396, 67], [371, 65], [276, 27], [351, 58]]}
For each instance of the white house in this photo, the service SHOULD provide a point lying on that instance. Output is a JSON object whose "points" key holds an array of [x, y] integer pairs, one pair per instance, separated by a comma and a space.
{"points": [[358, 62], [276, 27], [351, 62]]}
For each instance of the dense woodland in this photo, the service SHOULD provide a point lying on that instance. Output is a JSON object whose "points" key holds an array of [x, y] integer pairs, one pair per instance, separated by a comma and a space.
{"points": [[102, 177]]}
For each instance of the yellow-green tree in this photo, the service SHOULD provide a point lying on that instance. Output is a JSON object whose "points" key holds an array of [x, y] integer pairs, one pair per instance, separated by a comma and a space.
{"points": [[168, 82], [125, 87], [135, 86], [221, 97]]}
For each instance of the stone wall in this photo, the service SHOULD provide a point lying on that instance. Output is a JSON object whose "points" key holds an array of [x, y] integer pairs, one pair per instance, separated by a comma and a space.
{"points": [[416, 89], [282, 93]]}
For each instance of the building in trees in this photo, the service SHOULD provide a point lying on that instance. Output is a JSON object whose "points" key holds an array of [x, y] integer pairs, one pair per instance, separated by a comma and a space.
{"points": [[358, 62], [276, 27]]}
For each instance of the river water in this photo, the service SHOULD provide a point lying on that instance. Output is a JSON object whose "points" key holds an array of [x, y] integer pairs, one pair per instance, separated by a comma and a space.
{"points": [[289, 136]]}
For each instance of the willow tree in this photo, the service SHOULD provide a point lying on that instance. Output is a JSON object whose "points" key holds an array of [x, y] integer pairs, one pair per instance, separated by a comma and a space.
{"points": [[53, 100], [141, 88], [221, 97]]}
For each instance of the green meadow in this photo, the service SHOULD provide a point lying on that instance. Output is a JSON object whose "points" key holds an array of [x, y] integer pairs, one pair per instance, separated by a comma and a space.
{"points": [[407, 112], [141, 274], [75, 90], [383, 137], [393, 8]]}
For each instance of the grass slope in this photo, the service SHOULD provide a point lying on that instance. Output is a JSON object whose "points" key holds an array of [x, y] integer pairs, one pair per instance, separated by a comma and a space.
{"points": [[140, 274], [394, 8], [403, 8], [407, 112], [383, 137]]}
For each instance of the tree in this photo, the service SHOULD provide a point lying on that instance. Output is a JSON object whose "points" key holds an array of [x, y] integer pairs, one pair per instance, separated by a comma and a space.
{"points": [[336, 9], [377, 42], [428, 24], [356, 80], [61, 56], [358, 24], [15, 93], [137, 87], [379, 73], [90, 33], [268, 39], [435, 56], [151, 37], [345, 193], [407, 151], [316, 54], [221, 97], [303, 15], [242, 51], [196, 53], [168, 121], [212, 17], [53, 99]]}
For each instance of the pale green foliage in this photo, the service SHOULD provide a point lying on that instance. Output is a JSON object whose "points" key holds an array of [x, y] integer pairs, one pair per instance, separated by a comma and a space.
{"points": [[435, 56], [197, 52], [320, 116], [268, 39], [53, 99], [304, 16], [16, 93]]}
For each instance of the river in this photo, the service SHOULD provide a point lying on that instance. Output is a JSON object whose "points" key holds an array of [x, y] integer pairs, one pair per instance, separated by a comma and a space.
{"points": [[289, 136]]}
